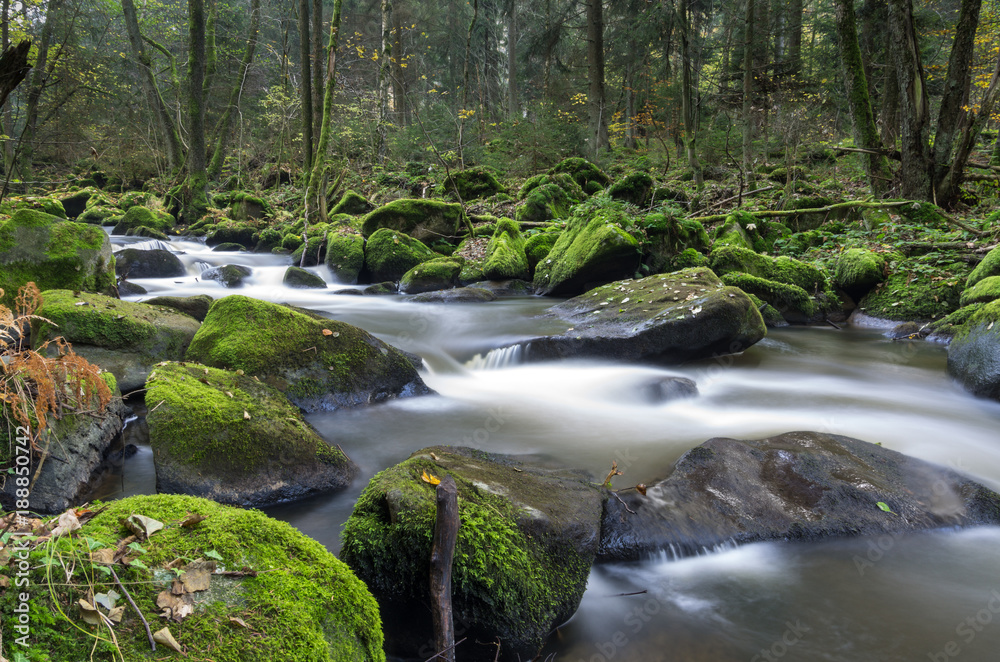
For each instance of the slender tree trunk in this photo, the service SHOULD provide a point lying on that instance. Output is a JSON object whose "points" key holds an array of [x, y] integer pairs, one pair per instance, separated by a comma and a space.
{"points": [[995, 159], [36, 84], [793, 38], [948, 190], [687, 93], [596, 106], [197, 179], [956, 94], [315, 189], [317, 66], [399, 78], [913, 102], [862, 119], [749, 26], [630, 137], [221, 133], [463, 112], [211, 58], [306, 97], [385, 57], [7, 128], [513, 105]]}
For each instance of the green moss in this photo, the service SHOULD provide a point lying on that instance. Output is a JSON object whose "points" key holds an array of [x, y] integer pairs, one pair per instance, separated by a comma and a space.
{"points": [[226, 232], [351, 203], [304, 605], [300, 278], [500, 575], [345, 256], [688, 258], [984, 291], [990, 266], [770, 314], [913, 297], [137, 216], [436, 274], [949, 325], [471, 184], [987, 315], [538, 246], [53, 253], [133, 199], [785, 298], [505, 254], [417, 218], [143, 231], [633, 188], [390, 254], [590, 178], [291, 241], [859, 270]]}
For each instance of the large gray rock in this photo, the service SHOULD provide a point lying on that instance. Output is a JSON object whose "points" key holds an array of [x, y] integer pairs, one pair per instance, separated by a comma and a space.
{"points": [[974, 353], [123, 337], [794, 486], [227, 437], [230, 275], [156, 263], [673, 318], [76, 446], [527, 540]]}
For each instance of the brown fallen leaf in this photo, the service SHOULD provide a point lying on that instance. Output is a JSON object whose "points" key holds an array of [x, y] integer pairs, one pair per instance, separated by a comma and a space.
{"points": [[193, 520], [175, 607], [143, 526], [164, 637], [89, 613], [115, 615], [103, 556], [327, 332], [236, 620], [198, 575], [67, 523]]}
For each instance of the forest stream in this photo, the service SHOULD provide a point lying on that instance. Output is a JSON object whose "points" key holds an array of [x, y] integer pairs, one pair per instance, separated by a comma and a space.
{"points": [[933, 595]]}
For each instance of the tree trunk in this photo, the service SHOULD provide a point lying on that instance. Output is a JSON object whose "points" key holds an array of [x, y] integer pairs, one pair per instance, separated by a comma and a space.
{"points": [[221, 133], [14, 68], [793, 38], [196, 199], [385, 57], [956, 94], [306, 94], [211, 57], [598, 124], [8, 117], [315, 189], [749, 25], [317, 65], [856, 85], [687, 93], [914, 109], [463, 112], [39, 76], [513, 105], [401, 110], [630, 137]]}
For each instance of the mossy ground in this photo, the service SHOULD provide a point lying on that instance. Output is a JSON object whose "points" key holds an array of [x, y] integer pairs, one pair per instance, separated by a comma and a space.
{"points": [[913, 297], [303, 605], [984, 291]]}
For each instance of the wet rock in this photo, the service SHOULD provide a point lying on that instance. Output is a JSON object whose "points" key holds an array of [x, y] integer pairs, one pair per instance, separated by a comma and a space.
{"points": [[318, 363], [794, 486], [457, 295], [974, 353], [673, 318], [506, 288], [668, 389], [156, 263], [390, 254], [128, 288], [230, 438], [196, 306], [387, 287], [441, 273], [302, 279], [230, 275], [524, 550]]}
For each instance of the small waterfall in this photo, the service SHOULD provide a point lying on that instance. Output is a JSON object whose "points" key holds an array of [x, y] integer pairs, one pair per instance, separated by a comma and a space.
{"points": [[151, 245], [502, 357], [679, 551], [203, 266]]}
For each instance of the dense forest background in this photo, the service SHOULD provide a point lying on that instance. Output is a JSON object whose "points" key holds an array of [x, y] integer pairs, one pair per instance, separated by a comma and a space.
{"points": [[229, 94]]}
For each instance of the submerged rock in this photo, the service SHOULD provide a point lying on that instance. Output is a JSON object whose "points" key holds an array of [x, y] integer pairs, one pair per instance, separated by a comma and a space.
{"points": [[441, 273], [457, 295], [974, 353], [235, 440], [302, 279], [293, 600], [156, 263], [318, 363], [794, 486], [123, 337], [230, 275], [527, 540], [682, 316]]}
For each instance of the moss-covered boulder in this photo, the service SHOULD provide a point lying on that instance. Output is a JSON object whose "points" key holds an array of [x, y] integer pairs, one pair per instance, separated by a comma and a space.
{"points": [[548, 197], [913, 296], [457, 295], [53, 253], [319, 364], [634, 188], [594, 249], [138, 215], [419, 218], [990, 266], [674, 318], [791, 301], [123, 337], [441, 273], [471, 184], [156, 263], [294, 600], [590, 178], [390, 254], [858, 271], [667, 236], [974, 353], [233, 439], [505, 254], [96, 215], [229, 275], [345, 256], [195, 306], [527, 539], [149, 233], [353, 204], [244, 206], [538, 246], [298, 278], [75, 203], [732, 233], [232, 232], [984, 291]]}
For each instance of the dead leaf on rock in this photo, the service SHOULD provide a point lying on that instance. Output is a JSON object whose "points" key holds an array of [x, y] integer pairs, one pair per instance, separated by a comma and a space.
{"points": [[236, 620], [193, 520], [68, 523], [164, 637], [327, 332], [115, 615], [143, 526], [103, 556], [89, 613], [197, 575], [175, 607]]}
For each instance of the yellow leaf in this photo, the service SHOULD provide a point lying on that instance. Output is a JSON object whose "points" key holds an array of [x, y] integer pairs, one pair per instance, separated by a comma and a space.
{"points": [[327, 332], [430, 478]]}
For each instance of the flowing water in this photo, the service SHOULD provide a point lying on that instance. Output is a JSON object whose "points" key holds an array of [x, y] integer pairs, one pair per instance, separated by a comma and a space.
{"points": [[933, 595]]}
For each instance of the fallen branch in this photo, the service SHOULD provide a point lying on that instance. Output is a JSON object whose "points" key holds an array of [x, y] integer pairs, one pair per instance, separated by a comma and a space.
{"points": [[625, 505], [745, 195], [149, 633], [851, 204]]}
